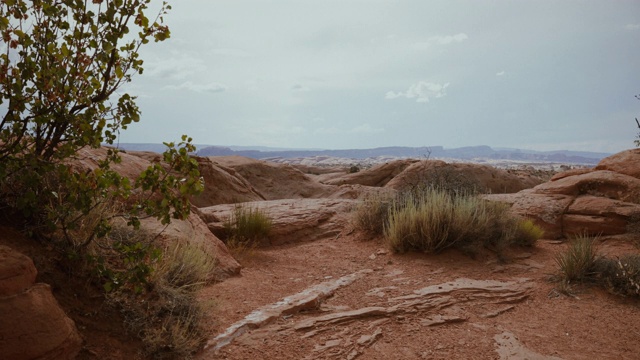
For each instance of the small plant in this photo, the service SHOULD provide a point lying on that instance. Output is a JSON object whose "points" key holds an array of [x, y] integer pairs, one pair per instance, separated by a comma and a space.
{"points": [[577, 262], [372, 212], [621, 275], [248, 225], [527, 233], [354, 169], [167, 318]]}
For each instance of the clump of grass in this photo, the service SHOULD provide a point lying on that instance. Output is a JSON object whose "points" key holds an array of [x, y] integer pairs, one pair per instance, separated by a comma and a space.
{"points": [[621, 275], [435, 219], [247, 226], [372, 212], [167, 315], [577, 262], [527, 233]]}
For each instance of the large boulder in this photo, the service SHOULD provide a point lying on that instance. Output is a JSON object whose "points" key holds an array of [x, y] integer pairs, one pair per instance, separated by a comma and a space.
{"points": [[378, 175], [32, 323], [482, 177], [600, 201], [274, 181], [293, 220], [223, 185]]}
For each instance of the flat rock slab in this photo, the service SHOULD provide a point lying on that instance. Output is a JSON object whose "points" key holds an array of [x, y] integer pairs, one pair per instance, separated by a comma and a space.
{"points": [[310, 298], [293, 220]]}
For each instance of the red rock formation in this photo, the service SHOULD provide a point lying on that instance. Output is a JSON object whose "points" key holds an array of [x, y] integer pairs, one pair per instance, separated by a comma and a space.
{"points": [[32, 324], [602, 201]]}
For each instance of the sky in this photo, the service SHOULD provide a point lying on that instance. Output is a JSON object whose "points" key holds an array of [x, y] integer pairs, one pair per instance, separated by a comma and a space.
{"points": [[345, 74]]}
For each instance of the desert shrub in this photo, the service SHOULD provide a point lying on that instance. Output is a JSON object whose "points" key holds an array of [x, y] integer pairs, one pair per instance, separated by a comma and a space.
{"points": [[247, 225], [621, 275], [354, 169], [167, 315], [372, 212], [445, 178], [436, 219], [577, 262], [527, 233]]}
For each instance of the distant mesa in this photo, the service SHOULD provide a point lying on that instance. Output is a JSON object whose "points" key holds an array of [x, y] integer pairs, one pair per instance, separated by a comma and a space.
{"points": [[469, 153], [464, 153]]}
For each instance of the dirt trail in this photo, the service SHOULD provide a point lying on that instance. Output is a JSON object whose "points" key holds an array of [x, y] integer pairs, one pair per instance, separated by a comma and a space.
{"points": [[345, 298]]}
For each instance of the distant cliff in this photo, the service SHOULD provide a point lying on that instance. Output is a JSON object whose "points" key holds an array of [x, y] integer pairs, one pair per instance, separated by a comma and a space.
{"points": [[463, 153]]}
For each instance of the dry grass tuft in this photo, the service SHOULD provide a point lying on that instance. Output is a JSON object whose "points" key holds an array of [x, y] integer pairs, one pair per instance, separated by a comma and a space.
{"points": [[167, 315], [372, 212], [577, 262], [435, 219], [248, 226]]}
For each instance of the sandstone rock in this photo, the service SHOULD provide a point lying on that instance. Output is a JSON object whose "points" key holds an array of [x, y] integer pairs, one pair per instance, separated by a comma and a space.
{"points": [[572, 172], [598, 183], [17, 272], [483, 177], [599, 216], [293, 220], [32, 323], [605, 200], [625, 162], [378, 175], [274, 181], [223, 185]]}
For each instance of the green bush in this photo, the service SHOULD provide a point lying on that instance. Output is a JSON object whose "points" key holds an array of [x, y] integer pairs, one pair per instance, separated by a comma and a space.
{"points": [[577, 262], [435, 219], [247, 225]]}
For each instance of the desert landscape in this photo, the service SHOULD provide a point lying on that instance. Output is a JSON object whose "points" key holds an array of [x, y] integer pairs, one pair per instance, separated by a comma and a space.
{"points": [[382, 179], [320, 287]]}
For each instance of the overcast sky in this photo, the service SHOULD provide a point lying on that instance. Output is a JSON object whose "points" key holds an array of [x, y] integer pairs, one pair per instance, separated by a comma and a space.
{"points": [[543, 75]]}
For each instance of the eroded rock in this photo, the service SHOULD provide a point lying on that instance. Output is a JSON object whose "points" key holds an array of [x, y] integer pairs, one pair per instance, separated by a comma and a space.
{"points": [[293, 220], [32, 323]]}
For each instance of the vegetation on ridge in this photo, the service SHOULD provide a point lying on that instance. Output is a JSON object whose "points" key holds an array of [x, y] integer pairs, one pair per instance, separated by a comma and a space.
{"points": [[61, 79]]}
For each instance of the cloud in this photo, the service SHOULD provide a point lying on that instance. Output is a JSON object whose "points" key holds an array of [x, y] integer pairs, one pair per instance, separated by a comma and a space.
{"points": [[177, 67], [300, 88], [441, 40], [231, 52], [422, 91], [500, 73], [208, 88], [632, 26]]}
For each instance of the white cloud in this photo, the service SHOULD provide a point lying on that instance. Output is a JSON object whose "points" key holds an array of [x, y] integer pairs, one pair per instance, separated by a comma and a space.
{"points": [[441, 40], [500, 73], [210, 88], [422, 91], [632, 26], [177, 67]]}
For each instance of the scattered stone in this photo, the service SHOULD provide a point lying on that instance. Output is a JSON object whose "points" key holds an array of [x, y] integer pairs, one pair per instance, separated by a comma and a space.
{"points": [[509, 348], [310, 298], [441, 319], [498, 312]]}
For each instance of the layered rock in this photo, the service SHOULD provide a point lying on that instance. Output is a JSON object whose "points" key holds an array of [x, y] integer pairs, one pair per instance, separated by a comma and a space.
{"points": [[32, 323], [483, 177], [601, 201], [274, 181], [293, 220]]}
